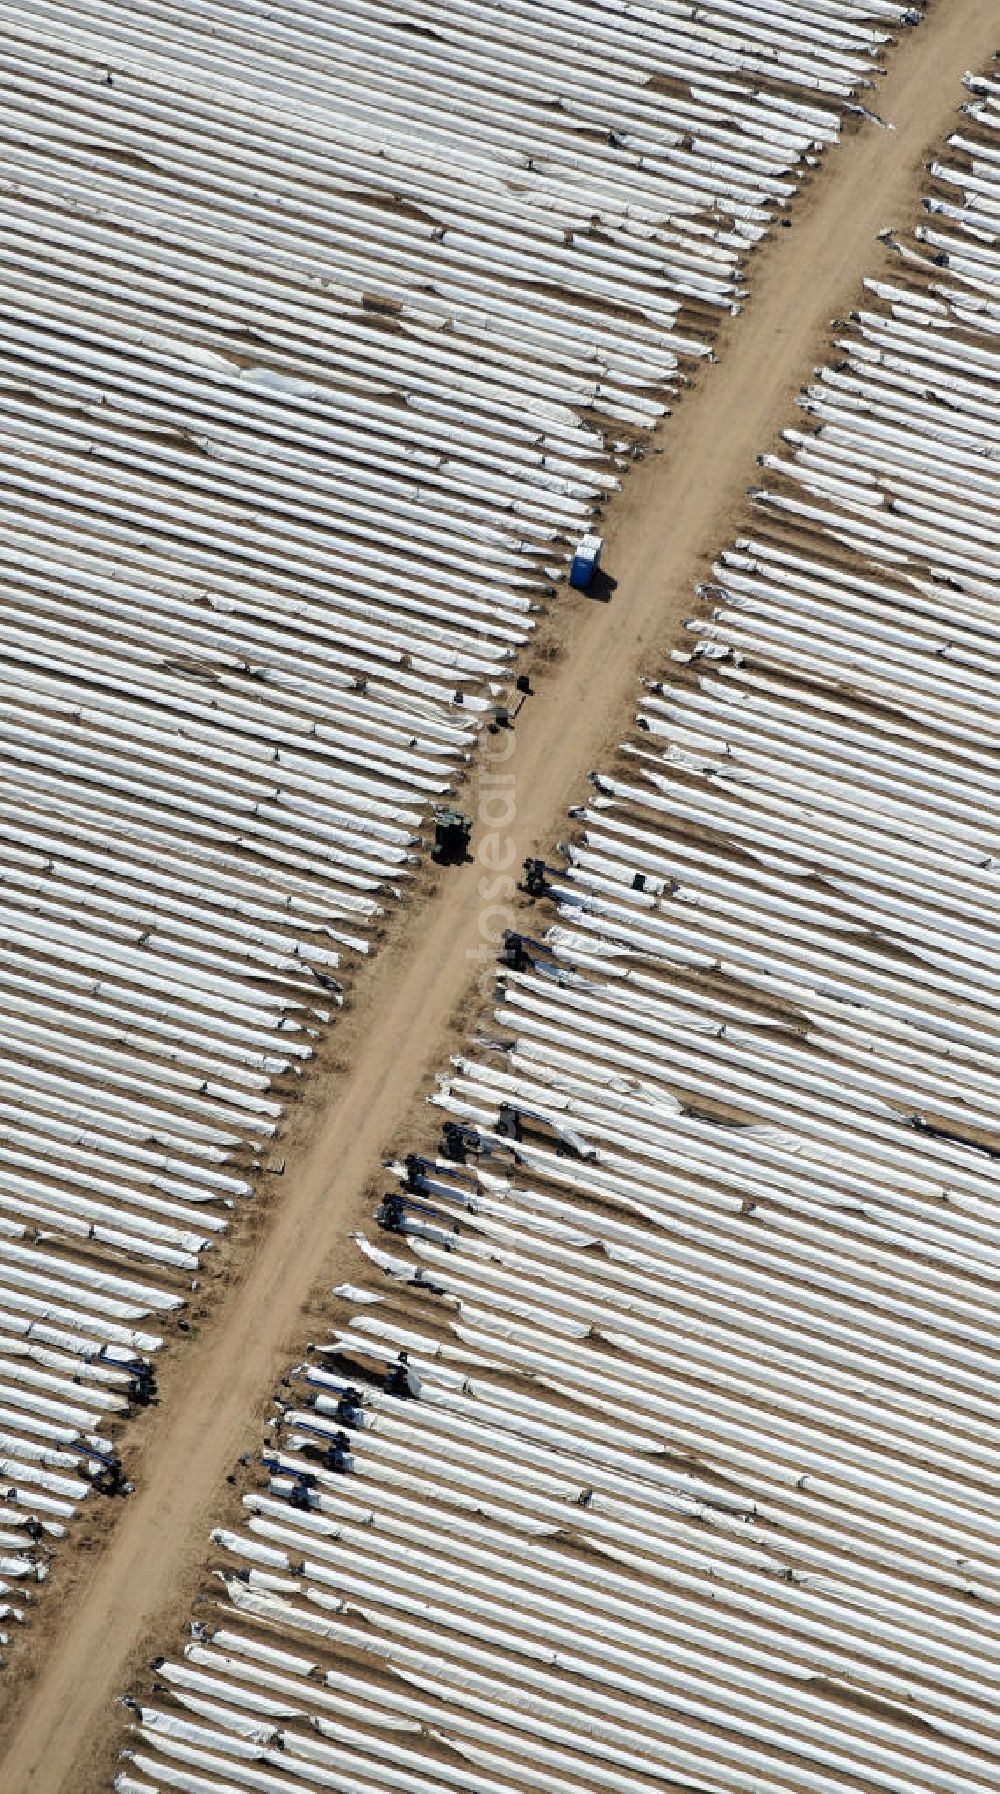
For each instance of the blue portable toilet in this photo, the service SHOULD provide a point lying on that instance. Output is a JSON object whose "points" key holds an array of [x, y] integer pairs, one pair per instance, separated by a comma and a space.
{"points": [[586, 561]]}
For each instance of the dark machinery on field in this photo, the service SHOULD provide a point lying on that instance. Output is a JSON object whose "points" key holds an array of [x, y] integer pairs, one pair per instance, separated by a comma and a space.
{"points": [[452, 829]]}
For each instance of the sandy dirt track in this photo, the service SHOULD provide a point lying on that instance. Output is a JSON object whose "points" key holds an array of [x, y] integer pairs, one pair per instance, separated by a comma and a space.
{"points": [[61, 1729]]}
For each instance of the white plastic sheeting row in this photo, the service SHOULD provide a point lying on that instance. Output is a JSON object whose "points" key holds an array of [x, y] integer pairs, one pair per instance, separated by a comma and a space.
{"points": [[325, 329], [700, 1487]]}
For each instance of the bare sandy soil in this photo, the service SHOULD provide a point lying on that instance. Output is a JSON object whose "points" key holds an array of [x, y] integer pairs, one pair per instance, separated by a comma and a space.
{"points": [[131, 1592]]}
